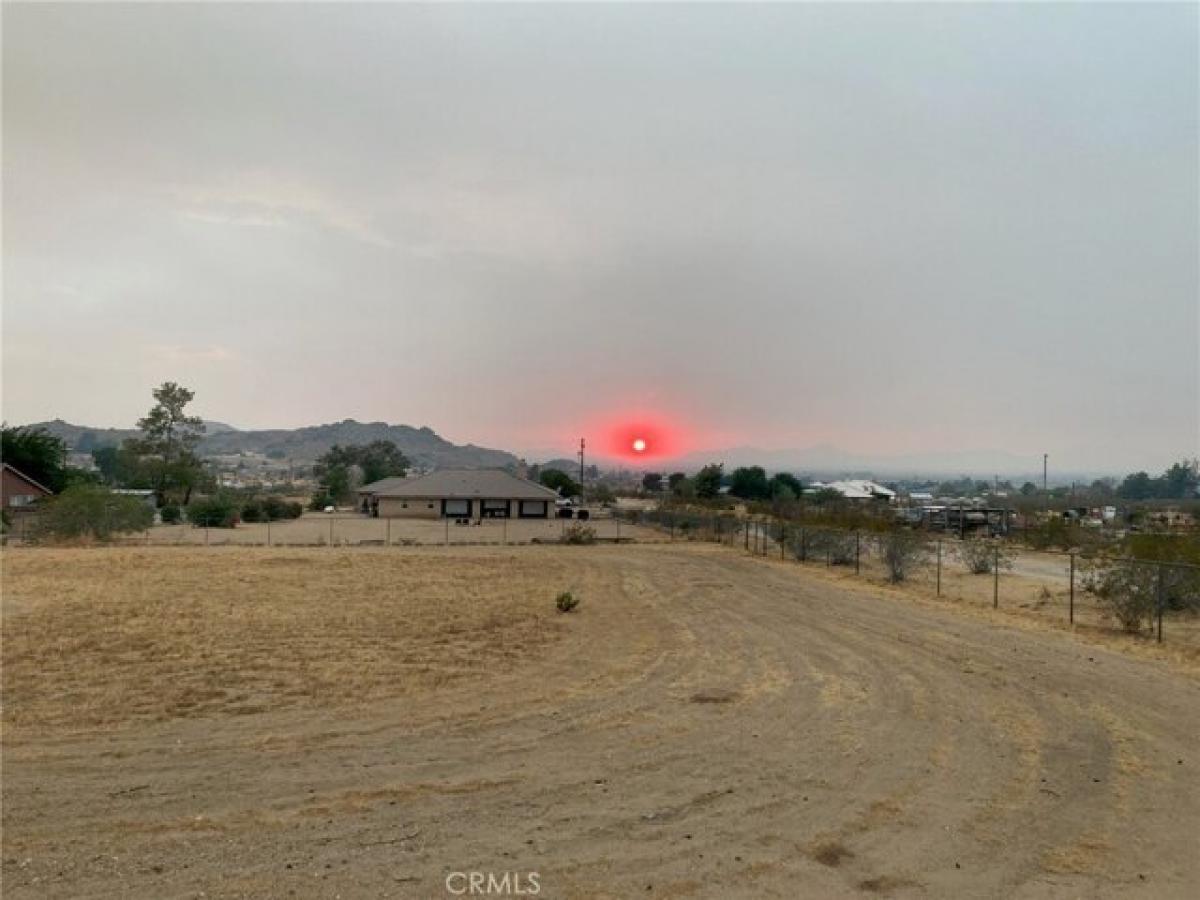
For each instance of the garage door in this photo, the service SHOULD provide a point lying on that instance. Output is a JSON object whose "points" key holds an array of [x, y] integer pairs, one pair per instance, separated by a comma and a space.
{"points": [[458, 508]]}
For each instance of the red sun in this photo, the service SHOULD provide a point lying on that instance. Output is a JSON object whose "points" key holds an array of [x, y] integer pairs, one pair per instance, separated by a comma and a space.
{"points": [[638, 438]]}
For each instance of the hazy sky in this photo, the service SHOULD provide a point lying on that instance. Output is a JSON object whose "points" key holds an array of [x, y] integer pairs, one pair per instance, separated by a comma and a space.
{"points": [[889, 228]]}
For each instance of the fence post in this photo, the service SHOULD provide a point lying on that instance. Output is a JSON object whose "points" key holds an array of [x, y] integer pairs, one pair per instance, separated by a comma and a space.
{"points": [[939, 567], [1162, 599], [1071, 608], [331, 529], [206, 532], [503, 533], [996, 578], [671, 516], [857, 550], [782, 539], [618, 518], [446, 520], [803, 545], [268, 531], [746, 526], [387, 528]]}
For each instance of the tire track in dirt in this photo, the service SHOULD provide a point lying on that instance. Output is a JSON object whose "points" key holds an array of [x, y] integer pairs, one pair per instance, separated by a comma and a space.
{"points": [[714, 726]]}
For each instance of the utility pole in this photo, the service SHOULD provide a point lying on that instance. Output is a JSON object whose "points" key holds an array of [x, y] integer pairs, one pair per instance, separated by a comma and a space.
{"points": [[582, 444], [1045, 463]]}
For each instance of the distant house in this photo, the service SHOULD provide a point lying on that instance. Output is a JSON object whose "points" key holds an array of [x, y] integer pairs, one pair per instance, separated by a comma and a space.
{"points": [[856, 489], [459, 494], [18, 490]]}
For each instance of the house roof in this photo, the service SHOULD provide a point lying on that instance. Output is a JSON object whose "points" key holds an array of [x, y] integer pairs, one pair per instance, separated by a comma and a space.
{"points": [[461, 484], [19, 474], [858, 489], [383, 484]]}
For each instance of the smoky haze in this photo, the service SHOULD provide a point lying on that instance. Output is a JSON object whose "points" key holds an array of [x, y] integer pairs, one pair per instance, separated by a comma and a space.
{"points": [[895, 230]]}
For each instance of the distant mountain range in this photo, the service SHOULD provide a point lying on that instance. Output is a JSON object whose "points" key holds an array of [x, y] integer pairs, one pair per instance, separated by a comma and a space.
{"points": [[828, 461], [303, 445]]}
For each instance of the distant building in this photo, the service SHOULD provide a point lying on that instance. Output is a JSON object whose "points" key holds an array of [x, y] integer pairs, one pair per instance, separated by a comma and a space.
{"points": [[856, 489], [18, 491], [459, 494]]}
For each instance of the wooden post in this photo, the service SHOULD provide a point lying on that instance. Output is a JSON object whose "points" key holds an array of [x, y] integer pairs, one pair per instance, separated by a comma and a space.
{"points": [[996, 578], [1162, 599], [939, 567], [1071, 608]]}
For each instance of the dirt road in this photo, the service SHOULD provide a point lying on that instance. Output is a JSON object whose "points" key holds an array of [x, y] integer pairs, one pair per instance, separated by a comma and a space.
{"points": [[707, 725]]}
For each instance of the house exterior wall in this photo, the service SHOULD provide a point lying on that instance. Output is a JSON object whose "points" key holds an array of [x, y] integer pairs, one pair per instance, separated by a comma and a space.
{"points": [[431, 508], [410, 507], [16, 492]]}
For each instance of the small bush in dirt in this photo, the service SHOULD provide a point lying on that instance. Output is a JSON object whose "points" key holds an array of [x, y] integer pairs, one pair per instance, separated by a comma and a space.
{"points": [[903, 552], [566, 601], [170, 514], [837, 547], [217, 511], [980, 555], [1127, 591], [579, 534]]}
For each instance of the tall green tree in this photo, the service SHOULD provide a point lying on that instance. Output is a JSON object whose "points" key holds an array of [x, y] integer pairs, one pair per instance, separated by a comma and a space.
{"points": [[750, 483], [340, 469], [708, 481], [560, 481], [37, 453], [785, 486], [167, 447]]}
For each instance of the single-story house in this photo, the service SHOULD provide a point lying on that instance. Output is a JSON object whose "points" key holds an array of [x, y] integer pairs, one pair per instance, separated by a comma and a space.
{"points": [[18, 490], [461, 494], [856, 489]]}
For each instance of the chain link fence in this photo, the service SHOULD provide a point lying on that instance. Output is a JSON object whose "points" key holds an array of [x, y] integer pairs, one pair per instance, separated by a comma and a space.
{"points": [[1105, 592]]}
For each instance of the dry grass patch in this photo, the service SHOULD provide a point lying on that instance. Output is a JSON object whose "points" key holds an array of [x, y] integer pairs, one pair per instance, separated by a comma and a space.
{"points": [[830, 853], [102, 637]]}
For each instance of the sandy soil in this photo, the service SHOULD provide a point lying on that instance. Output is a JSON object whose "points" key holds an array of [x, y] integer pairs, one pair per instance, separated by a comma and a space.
{"points": [[707, 724]]}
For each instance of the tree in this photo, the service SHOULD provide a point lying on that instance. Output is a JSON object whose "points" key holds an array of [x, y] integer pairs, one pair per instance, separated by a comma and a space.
{"points": [[783, 481], [168, 442], [558, 480], [89, 510], [1179, 482], [1029, 489], [750, 483], [340, 469], [381, 459], [36, 453], [652, 481], [1138, 486], [674, 478], [708, 481]]}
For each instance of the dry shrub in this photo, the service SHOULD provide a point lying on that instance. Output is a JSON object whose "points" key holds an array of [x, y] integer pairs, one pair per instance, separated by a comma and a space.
{"points": [[980, 555], [579, 534], [903, 552]]}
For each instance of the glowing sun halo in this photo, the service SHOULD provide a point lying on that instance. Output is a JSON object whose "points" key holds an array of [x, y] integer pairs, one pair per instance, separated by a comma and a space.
{"points": [[639, 445]]}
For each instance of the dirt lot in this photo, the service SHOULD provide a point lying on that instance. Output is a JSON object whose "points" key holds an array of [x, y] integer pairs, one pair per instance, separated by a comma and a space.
{"points": [[345, 529], [361, 723]]}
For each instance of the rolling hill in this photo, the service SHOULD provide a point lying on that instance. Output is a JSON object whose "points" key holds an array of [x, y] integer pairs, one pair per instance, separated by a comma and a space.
{"points": [[303, 445]]}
